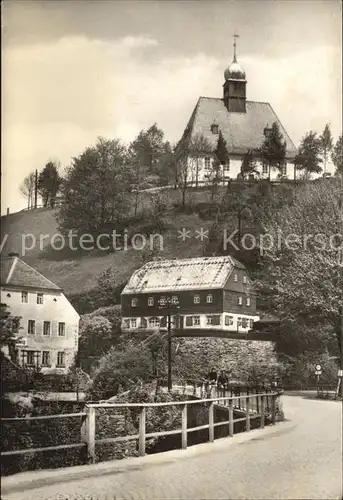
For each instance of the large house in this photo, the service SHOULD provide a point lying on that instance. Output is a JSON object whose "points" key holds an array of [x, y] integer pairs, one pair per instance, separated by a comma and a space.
{"points": [[199, 293], [48, 337], [243, 124]]}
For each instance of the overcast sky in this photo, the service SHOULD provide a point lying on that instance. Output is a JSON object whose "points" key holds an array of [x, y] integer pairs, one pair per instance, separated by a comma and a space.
{"points": [[75, 70]]}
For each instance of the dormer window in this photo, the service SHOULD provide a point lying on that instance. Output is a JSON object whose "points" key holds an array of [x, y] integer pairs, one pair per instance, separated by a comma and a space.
{"points": [[196, 299], [244, 279], [150, 301], [209, 299], [214, 128], [267, 131], [175, 300], [235, 278], [134, 302]]}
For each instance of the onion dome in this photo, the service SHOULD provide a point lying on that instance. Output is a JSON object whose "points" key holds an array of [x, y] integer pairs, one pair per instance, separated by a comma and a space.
{"points": [[234, 71]]}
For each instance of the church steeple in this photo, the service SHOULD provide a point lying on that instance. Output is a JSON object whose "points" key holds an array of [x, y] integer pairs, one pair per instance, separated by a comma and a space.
{"points": [[235, 84]]}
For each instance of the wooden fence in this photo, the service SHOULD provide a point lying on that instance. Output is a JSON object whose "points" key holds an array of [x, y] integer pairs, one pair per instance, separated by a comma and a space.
{"points": [[255, 406]]}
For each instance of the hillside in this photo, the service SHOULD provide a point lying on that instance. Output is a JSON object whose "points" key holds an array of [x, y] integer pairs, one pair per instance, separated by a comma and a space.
{"points": [[76, 271]]}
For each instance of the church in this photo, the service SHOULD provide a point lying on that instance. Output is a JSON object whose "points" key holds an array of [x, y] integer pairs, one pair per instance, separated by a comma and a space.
{"points": [[243, 124]]}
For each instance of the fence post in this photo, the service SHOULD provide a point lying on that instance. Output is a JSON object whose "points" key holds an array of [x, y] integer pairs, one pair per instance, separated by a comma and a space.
{"points": [[231, 417], [142, 432], [247, 413], [262, 411], [184, 427], [274, 409], [211, 422], [88, 433]]}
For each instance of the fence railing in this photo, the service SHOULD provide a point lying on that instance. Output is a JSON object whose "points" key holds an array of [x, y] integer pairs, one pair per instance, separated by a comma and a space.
{"points": [[263, 409]]}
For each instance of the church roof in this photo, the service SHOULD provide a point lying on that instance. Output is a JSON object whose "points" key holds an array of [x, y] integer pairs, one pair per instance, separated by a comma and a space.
{"points": [[242, 131], [16, 272], [201, 273]]}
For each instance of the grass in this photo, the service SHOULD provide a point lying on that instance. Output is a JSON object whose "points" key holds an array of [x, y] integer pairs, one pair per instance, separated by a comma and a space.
{"points": [[77, 271]]}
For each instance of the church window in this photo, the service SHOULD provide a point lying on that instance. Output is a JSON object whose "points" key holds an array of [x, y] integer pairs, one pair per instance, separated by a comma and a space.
{"points": [[207, 162]]}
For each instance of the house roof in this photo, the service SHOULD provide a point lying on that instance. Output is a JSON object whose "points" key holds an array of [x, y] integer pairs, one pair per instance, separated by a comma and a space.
{"points": [[241, 131], [15, 272], [182, 274]]}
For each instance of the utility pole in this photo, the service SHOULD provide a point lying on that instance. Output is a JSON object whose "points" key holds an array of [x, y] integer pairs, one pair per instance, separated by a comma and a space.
{"points": [[170, 384], [36, 187]]}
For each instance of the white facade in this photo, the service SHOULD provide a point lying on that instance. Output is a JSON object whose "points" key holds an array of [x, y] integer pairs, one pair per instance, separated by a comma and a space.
{"points": [[200, 170], [49, 327], [227, 322]]}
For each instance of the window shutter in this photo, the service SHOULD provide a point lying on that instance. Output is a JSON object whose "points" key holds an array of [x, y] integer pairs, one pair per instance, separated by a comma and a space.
{"points": [[189, 321], [144, 323], [216, 320], [163, 322]]}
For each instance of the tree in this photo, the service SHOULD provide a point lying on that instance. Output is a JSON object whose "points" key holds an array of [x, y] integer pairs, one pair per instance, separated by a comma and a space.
{"points": [[182, 170], [273, 149], [326, 144], [95, 339], [215, 177], [199, 147], [337, 156], [96, 189], [221, 151], [49, 182], [27, 188], [108, 287], [308, 157], [303, 273], [248, 166], [9, 329]]}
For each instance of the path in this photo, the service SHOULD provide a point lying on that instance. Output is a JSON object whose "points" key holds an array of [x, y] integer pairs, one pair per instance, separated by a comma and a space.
{"points": [[299, 459]]}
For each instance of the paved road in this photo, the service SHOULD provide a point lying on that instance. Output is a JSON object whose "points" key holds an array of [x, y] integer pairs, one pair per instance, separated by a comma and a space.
{"points": [[301, 460]]}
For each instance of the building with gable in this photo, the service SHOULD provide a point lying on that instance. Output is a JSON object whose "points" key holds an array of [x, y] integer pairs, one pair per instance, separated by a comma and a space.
{"points": [[49, 323], [199, 293], [243, 124]]}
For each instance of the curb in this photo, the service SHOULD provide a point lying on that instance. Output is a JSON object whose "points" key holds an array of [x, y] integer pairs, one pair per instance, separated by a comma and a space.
{"points": [[24, 481]]}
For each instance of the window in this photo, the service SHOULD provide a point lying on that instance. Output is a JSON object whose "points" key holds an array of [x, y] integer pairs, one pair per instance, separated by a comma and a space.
{"points": [[209, 299], [46, 358], [214, 128], [251, 322], [24, 297], [265, 169], [154, 321], [235, 278], [209, 320], [284, 169], [175, 300], [30, 358], [248, 301], [31, 327], [134, 323], [240, 301], [134, 302], [60, 358], [189, 321], [244, 279], [126, 323], [207, 162], [228, 320], [213, 320], [61, 329], [245, 323], [239, 321], [46, 328], [196, 299], [39, 298], [150, 301], [196, 320], [163, 301], [227, 167]]}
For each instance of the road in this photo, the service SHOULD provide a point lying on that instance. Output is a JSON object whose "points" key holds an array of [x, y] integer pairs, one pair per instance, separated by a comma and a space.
{"points": [[299, 459]]}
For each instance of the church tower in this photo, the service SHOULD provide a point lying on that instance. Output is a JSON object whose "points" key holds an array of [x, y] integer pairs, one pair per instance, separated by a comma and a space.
{"points": [[235, 85]]}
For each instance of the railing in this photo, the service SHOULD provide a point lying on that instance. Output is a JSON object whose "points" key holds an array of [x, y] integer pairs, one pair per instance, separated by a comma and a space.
{"points": [[88, 421]]}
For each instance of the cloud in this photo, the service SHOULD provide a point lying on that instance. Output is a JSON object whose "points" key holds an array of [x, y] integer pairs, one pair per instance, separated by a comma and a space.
{"points": [[58, 97]]}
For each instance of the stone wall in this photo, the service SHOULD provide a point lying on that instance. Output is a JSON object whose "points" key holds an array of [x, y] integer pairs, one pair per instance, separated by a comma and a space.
{"points": [[244, 359]]}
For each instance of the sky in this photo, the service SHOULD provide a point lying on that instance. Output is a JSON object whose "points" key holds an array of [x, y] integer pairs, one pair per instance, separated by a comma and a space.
{"points": [[76, 70]]}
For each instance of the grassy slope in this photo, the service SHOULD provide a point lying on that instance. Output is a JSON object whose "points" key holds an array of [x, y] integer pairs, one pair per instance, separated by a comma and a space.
{"points": [[77, 271]]}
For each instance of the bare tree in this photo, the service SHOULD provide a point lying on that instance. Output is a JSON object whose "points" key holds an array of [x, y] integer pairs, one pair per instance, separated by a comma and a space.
{"points": [[27, 189], [199, 147]]}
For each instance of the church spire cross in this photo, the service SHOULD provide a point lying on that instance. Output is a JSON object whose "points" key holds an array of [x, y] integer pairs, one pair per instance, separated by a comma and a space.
{"points": [[235, 36]]}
